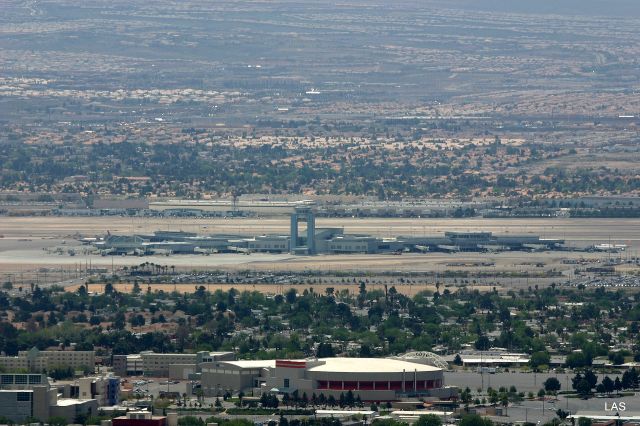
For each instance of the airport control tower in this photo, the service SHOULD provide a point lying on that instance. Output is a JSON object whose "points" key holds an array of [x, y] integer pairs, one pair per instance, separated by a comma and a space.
{"points": [[303, 213]]}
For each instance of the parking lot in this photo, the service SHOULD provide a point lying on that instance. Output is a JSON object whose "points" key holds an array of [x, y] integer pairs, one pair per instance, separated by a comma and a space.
{"points": [[537, 409]]}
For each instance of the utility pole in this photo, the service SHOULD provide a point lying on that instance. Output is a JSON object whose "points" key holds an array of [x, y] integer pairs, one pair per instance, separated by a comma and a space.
{"points": [[481, 371], [567, 388]]}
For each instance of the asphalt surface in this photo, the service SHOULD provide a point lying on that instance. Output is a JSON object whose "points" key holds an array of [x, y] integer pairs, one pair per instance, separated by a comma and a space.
{"points": [[538, 410]]}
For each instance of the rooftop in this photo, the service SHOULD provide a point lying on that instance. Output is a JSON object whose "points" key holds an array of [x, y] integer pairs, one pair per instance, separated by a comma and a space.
{"points": [[267, 363], [66, 402], [370, 365]]}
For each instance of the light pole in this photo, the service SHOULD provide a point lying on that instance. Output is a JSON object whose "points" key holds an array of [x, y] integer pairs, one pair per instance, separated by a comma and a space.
{"points": [[481, 371], [567, 387]]}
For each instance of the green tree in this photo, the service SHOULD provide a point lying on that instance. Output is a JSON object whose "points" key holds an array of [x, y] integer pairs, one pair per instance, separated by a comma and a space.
{"points": [[388, 422], [482, 343], [539, 359], [607, 385], [108, 288], [57, 421], [190, 421], [617, 385], [552, 385], [290, 296], [466, 398], [350, 399], [428, 420], [331, 401], [457, 360], [591, 378], [474, 420], [504, 401], [576, 360], [583, 388], [325, 350]]}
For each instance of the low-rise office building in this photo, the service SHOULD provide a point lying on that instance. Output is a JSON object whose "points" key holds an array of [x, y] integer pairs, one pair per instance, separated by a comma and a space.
{"points": [[157, 365], [127, 365], [105, 389], [78, 360], [36, 361], [174, 366]]}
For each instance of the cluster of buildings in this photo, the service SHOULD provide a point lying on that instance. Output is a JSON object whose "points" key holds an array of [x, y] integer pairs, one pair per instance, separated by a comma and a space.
{"points": [[27, 395], [174, 366], [370, 379], [36, 361], [327, 206], [373, 379], [26, 392], [32, 396], [315, 240]]}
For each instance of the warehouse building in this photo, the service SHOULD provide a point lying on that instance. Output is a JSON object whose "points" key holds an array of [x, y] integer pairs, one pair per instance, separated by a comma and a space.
{"points": [[234, 376], [491, 358]]}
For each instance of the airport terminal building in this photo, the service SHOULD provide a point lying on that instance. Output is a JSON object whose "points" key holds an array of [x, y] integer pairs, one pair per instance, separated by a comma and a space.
{"points": [[314, 240], [372, 379]]}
